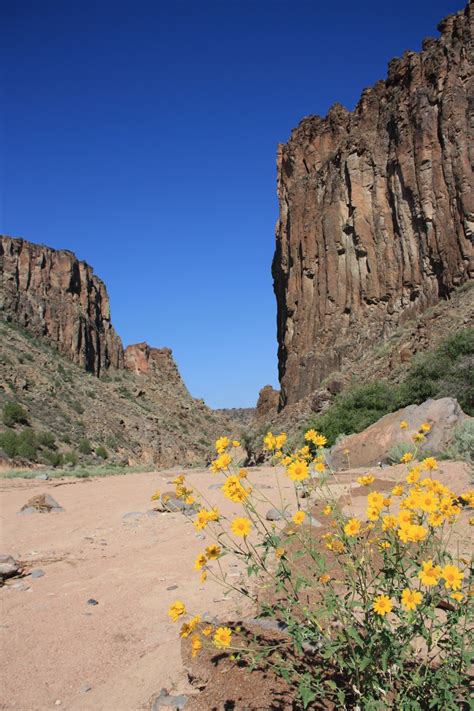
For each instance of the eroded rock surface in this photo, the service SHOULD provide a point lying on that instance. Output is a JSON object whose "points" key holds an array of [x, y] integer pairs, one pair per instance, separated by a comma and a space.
{"points": [[376, 210]]}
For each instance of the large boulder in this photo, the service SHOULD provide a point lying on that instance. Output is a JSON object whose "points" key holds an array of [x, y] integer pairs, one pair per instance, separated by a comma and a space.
{"points": [[372, 446]]}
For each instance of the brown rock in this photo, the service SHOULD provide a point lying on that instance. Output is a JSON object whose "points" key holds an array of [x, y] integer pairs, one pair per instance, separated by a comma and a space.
{"points": [[54, 295], [370, 447], [268, 400], [376, 210]]}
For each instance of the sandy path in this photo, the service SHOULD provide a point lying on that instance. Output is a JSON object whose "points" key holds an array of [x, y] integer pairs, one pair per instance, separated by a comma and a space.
{"points": [[53, 644]]}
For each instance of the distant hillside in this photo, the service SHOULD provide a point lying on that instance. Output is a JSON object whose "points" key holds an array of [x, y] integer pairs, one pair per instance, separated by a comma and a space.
{"points": [[62, 362]]}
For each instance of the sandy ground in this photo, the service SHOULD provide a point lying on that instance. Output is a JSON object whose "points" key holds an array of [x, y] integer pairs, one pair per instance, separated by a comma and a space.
{"points": [[54, 645]]}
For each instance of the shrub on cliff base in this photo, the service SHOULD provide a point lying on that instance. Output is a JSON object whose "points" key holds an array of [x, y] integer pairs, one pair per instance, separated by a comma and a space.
{"points": [[101, 452], [14, 414], [46, 439], [374, 614], [85, 447], [9, 443]]}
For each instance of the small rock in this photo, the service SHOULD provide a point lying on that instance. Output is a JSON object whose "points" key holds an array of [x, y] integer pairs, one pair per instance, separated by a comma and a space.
{"points": [[85, 688], [214, 486], [152, 512], [200, 537], [91, 601], [36, 573], [43, 477], [8, 567], [170, 703], [273, 515], [42, 503], [172, 587], [133, 516]]}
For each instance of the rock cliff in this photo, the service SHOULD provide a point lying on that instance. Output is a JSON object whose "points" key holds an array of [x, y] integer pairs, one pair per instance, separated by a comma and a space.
{"points": [[376, 210], [54, 295]]}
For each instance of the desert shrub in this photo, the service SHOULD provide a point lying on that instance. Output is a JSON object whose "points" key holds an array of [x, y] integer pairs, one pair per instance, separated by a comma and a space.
{"points": [[9, 443], [352, 605], [111, 443], [70, 458], [46, 439], [13, 414], [462, 445], [355, 409], [397, 451], [101, 452], [85, 446], [27, 447], [55, 459], [448, 370], [77, 407], [66, 438]]}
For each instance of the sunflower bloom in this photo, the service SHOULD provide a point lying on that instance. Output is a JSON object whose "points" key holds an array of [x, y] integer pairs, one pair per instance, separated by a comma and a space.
{"points": [[352, 527], [452, 576], [213, 551], [222, 637], [382, 605], [298, 471], [221, 444], [200, 562], [407, 457], [196, 645], [176, 610], [411, 599], [429, 573], [299, 517], [429, 463], [403, 425], [366, 480], [241, 526]]}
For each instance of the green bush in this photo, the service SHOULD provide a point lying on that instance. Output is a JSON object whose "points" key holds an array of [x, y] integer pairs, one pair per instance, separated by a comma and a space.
{"points": [[446, 371], [462, 446], [27, 447], [46, 439], [85, 446], [77, 407], [55, 459], [14, 414], [9, 443], [101, 452], [111, 443], [397, 451], [70, 458], [355, 409]]}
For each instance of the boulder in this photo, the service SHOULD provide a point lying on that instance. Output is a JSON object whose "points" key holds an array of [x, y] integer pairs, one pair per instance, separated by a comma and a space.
{"points": [[9, 567], [41, 503], [371, 446]]}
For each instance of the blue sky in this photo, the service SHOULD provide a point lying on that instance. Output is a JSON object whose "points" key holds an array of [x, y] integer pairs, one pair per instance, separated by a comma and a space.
{"points": [[142, 136]]}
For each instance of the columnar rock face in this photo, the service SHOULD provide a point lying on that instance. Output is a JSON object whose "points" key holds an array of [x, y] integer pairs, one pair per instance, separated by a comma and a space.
{"points": [[376, 210], [54, 295], [158, 363]]}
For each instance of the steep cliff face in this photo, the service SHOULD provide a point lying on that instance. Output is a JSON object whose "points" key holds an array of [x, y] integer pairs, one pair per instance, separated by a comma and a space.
{"points": [[54, 295], [376, 210]]}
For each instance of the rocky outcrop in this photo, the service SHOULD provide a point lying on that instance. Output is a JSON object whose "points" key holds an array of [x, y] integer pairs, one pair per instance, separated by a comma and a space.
{"points": [[142, 359], [376, 210], [374, 444], [267, 403], [54, 295]]}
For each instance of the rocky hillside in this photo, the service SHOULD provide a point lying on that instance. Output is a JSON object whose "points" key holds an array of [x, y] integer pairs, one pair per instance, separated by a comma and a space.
{"points": [[376, 211], [63, 363]]}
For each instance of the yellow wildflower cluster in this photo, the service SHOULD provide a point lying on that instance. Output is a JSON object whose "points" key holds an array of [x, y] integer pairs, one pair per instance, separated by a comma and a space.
{"points": [[317, 439], [204, 516], [366, 480], [234, 490], [274, 442], [221, 463]]}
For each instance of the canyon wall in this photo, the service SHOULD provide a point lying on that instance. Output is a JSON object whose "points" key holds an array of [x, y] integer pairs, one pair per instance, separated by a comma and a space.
{"points": [[376, 210], [55, 296]]}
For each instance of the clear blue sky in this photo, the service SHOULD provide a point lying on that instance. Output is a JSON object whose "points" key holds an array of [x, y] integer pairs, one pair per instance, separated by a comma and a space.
{"points": [[142, 135]]}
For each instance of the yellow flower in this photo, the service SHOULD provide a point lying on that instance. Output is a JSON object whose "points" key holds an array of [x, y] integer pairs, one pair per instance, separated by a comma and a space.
{"points": [[468, 497], [352, 527], [222, 637], [425, 427], [405, 518], [235, 443], [189, 500], [452, 576], [366, 480], [389, 523], [179, 479], [200, 562], [202, 519], [298, 471], [335, 546], [188, 627], [429, 573], [382, 605], [299, 517], [418, 437], [319, 467], [207, 631], [243, 474], [324, 578], [280, 440], [203, 576], [375, 500], [457, 596], [241, 526], [413, 475], [397, 490], [403, 425], [436, 519], [221, 444], [156, 496], [406, 458], [213, 551], [280, 552], [327, 510], [196, 645], [176, 610], [471, 521], [411, 598], [234, 490], [417, 533], [428, 502], [269, 441], [310, 435], [279, 455], [383, 545], [373, 513], [429, 463], [221, 463]]}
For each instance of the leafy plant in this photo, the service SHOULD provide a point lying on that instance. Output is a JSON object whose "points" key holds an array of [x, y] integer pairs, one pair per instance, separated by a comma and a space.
{"points": [[101, 452], [13, 414], [46, 439], [85, 446], [462, 445]]}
